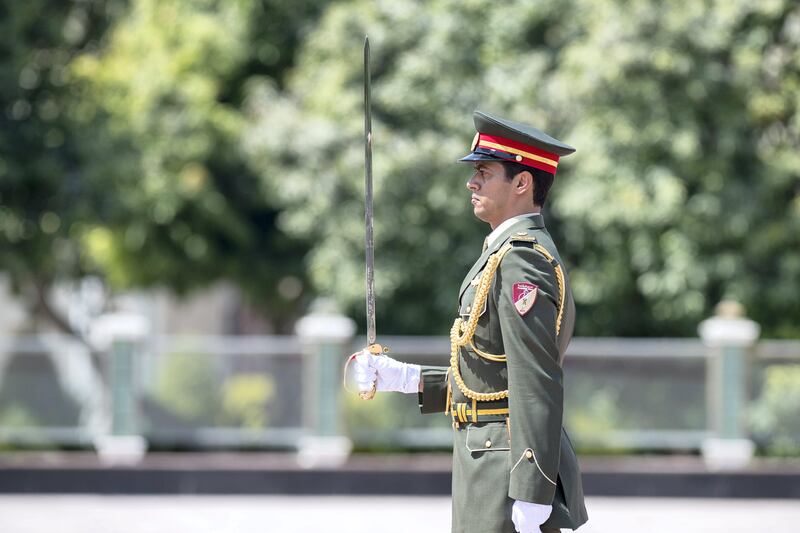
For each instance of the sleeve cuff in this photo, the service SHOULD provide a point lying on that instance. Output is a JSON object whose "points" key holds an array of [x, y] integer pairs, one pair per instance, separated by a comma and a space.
{"points": [[543, 488], [433, 398]]}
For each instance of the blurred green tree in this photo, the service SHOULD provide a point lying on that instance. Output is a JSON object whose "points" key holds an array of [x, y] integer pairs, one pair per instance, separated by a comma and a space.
{"points": [[163, 96], [775, 415], [125, 150], [245, 400], [685, 188], [120, 147], [43, 191], [689, 189], [188, 387]]}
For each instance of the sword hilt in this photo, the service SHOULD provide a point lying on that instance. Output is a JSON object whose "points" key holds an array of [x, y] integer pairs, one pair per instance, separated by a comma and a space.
{"points": [[374, 349]]}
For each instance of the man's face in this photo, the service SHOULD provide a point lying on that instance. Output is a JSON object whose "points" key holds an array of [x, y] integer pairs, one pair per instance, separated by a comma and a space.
{"points": [[491, 192]]}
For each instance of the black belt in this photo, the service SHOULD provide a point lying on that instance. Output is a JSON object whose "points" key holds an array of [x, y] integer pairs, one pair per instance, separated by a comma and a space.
{"points": [[474, 411]]}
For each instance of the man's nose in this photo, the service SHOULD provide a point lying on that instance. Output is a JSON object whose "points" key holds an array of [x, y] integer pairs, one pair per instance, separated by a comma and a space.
{"points": [[472, 185]]}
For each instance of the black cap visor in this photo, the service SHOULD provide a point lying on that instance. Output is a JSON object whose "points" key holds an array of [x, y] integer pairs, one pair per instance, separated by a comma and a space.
{"points": [[482, 154]]}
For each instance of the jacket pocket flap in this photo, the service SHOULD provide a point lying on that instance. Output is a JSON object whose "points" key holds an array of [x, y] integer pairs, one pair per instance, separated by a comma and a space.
{"points": [[493, 437]]}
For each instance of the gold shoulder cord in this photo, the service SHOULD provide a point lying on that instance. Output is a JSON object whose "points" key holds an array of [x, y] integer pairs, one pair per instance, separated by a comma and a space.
{"points": [[560, 279], [462, 333]]}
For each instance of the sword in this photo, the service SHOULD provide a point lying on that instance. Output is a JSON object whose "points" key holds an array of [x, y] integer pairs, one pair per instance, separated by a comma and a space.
{"points": [[369, 241]]}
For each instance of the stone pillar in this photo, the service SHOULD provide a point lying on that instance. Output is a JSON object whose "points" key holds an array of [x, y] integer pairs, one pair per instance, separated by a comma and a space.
{"points": [[120, 336], [729, 338], [325, 335]]}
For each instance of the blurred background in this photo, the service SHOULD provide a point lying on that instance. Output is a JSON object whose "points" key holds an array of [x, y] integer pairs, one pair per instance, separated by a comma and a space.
{"points": [[181, 225]]}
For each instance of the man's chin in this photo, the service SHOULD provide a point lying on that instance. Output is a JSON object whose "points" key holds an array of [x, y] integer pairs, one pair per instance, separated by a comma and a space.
{"points": [[479, 213]]}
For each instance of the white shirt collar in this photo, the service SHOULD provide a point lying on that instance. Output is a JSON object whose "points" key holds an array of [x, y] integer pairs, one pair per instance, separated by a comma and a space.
{"points": [[496, 232]]}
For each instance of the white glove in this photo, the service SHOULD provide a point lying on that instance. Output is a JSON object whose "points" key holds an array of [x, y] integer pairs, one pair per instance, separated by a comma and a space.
{"points": [[391, 375], [527, 516]]}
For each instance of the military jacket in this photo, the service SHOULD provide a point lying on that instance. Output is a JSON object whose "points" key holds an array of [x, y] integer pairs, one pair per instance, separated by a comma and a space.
{"points": [[504, 385]]}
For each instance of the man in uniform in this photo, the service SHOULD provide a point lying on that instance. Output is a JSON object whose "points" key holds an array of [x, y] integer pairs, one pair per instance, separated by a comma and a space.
{"points": [[514, 468]]}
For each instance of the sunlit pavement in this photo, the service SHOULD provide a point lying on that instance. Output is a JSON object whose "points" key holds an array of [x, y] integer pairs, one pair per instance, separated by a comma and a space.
{"points": [[314, 514]]}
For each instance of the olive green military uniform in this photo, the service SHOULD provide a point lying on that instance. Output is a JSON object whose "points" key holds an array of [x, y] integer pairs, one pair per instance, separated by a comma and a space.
{"points": [[504, 385], [512, 448]]}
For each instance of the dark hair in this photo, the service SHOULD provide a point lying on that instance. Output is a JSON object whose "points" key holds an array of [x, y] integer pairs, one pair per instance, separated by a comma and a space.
{"points": [[542, 181]]}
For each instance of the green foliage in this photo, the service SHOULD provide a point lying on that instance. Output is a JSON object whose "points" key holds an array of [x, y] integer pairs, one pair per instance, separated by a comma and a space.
{"points": [[178, 142], [18, 416], [604, 400], [245, 399], [359, 414], [596, 418], [119, 146], [775, 415], [684, 189], [387, 412], [187, 387], [158, 96], [42, 190], [687, 189]]}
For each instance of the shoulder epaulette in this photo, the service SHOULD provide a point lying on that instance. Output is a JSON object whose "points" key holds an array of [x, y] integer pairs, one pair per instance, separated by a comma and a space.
{"points": [[522, 238]]}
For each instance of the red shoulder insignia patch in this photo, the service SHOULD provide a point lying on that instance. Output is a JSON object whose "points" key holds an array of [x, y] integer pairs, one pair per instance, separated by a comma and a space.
{"points": [[524, 296]]}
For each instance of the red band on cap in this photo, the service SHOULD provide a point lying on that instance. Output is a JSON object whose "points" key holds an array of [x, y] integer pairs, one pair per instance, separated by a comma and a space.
{"points": [[525, 154]]}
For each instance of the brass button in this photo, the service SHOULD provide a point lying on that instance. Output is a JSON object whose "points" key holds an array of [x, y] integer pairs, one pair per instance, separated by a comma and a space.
{"points": [[529, 454], [518, 158], [488, 444]]}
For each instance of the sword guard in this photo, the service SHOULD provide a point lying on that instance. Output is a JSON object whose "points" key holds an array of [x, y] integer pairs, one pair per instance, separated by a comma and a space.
{"points": [[377, 349]]}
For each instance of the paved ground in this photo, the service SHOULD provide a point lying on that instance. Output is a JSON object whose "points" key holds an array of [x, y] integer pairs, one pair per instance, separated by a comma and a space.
{"points": [[281, 514]]}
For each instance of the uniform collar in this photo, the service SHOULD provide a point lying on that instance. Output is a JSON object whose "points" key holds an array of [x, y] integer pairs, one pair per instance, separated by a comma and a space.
{"points": [[506, 224], [501, 234]]}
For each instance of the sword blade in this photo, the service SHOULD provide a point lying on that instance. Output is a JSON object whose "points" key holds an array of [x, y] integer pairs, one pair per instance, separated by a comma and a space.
{"points": [[368, 214]]}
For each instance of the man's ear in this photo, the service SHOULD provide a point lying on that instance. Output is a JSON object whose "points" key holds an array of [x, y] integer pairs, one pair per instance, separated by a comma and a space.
{"points": [[523, 182]]}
